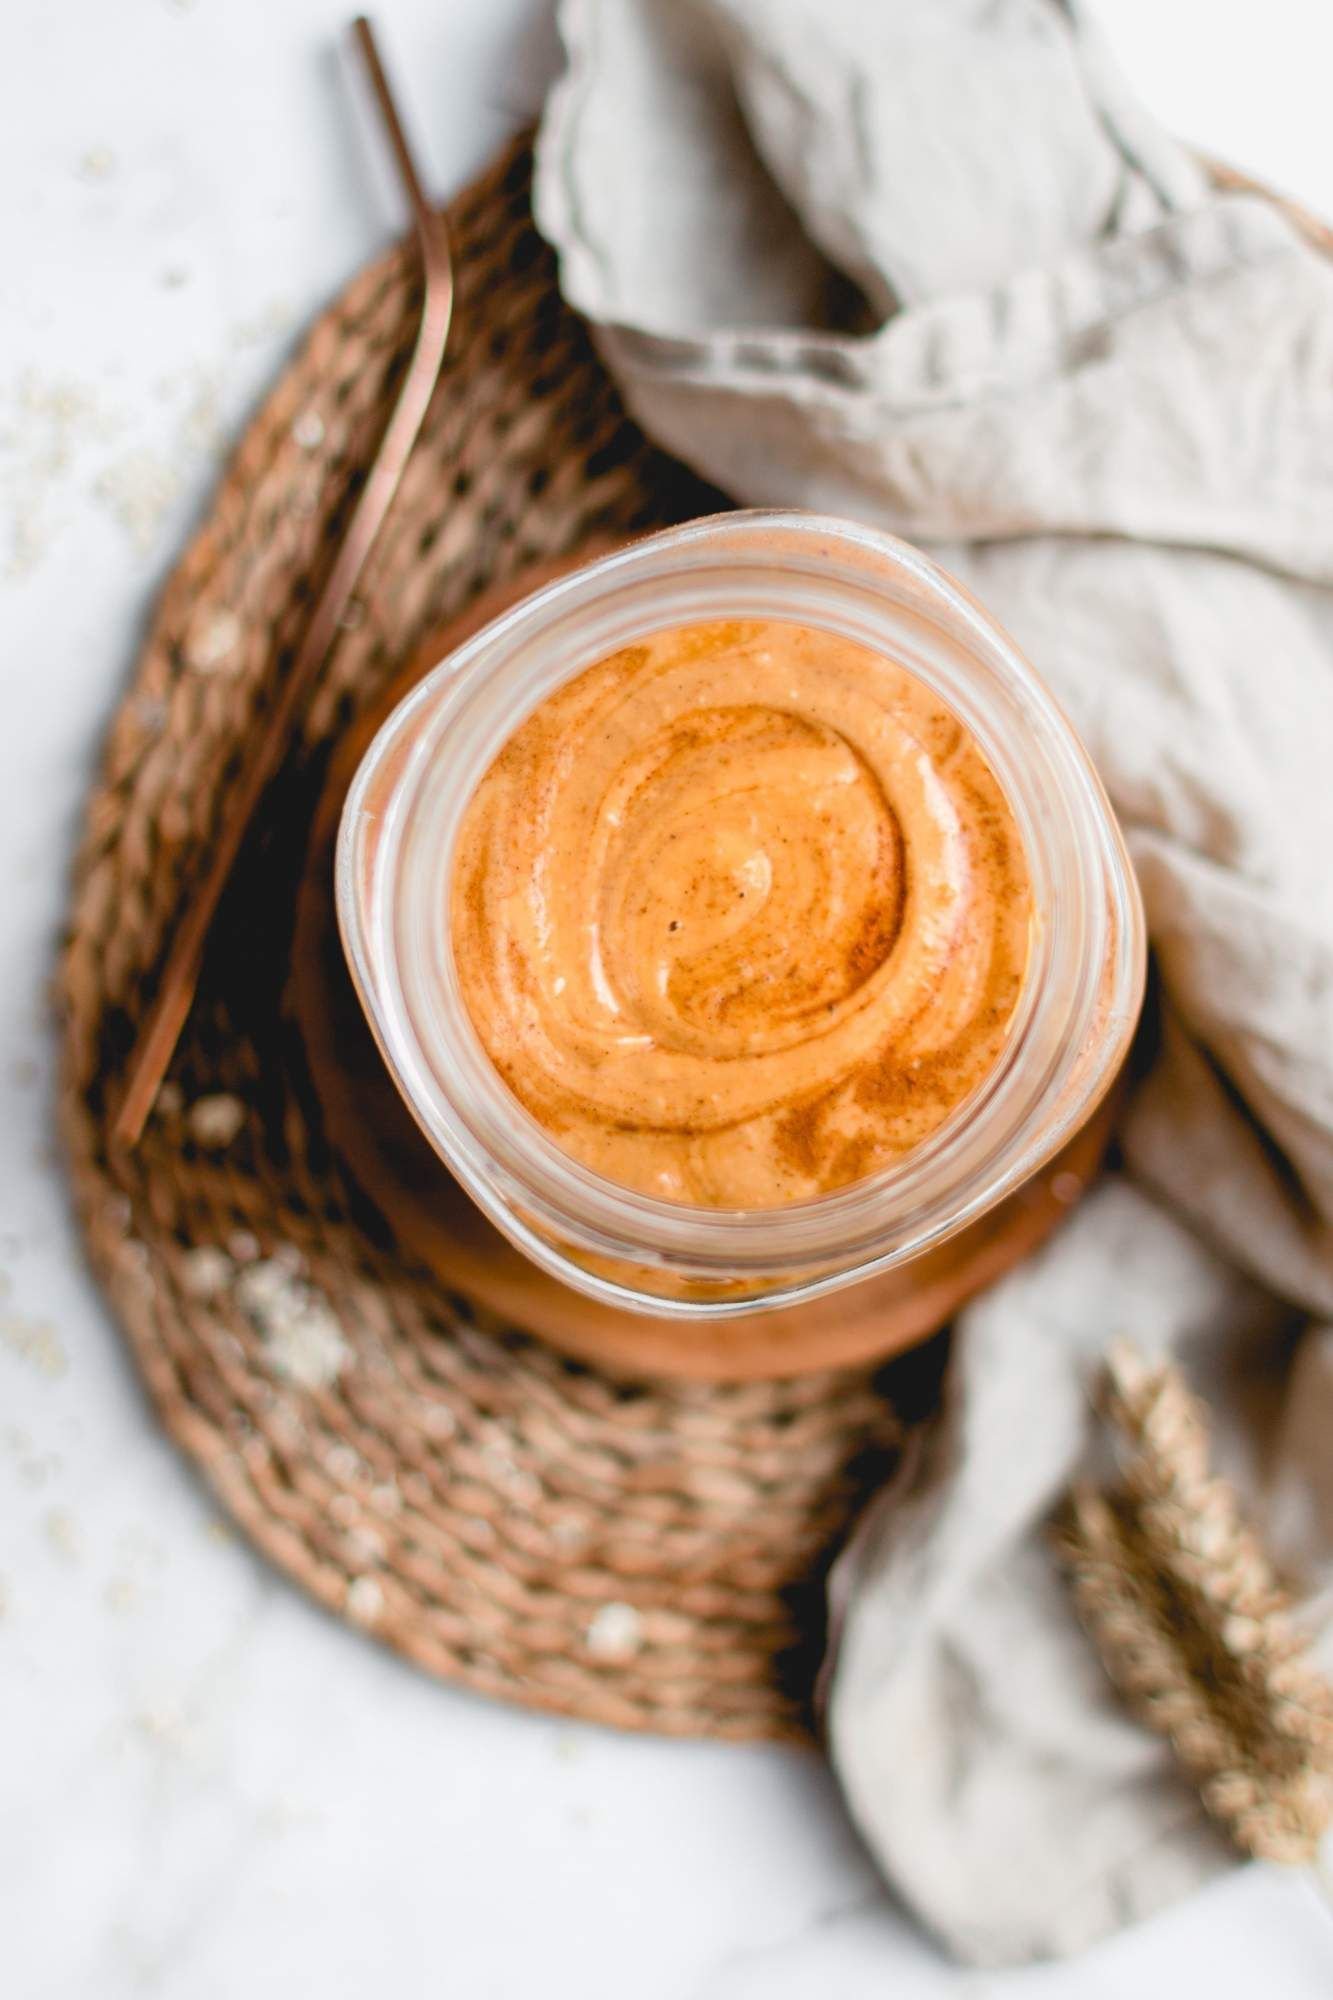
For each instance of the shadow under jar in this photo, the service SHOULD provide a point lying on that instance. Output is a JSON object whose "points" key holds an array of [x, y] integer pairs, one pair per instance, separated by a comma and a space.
{"points": [[665, 1281]]}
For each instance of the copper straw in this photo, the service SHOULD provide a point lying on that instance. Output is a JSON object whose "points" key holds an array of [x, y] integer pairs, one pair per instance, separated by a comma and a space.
{"points": [[161, 1029]]}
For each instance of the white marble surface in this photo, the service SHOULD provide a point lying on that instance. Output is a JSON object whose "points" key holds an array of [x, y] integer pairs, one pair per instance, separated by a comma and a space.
{"points": [[207, 1787]]}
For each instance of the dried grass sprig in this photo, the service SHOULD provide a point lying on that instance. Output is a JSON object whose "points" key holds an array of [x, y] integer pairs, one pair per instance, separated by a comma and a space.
{"points": [[1192, 1624]]}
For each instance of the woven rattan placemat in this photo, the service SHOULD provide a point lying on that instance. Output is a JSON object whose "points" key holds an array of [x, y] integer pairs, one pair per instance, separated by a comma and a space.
{"points": [[643, 1554]]}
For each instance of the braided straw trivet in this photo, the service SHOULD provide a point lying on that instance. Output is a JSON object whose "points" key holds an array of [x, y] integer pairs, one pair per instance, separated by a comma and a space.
{"points": [[644, 1554]]}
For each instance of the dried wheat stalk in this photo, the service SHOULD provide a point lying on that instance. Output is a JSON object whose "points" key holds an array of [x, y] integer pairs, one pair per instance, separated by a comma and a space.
{"points": [[1192, 1625]]}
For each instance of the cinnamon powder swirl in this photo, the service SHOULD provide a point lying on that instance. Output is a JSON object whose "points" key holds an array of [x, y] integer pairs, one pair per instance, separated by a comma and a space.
{"points": [[740, 914]]}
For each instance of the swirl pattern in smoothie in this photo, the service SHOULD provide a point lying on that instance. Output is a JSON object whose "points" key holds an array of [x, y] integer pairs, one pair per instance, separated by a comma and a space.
{"points": [[740, 914]]}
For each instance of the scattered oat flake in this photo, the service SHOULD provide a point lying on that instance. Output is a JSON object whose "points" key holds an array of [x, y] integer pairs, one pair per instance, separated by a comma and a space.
{"points": [[507, 1472], [275, 317], [341, 1462], [615, 1633], [167, 1725], [27, 547], [35, 1341], [53, 424], [243, 1246], [206, 1271], [308, 430], [170, 1100], [287, 1810], [213, 637], [365, 1599], [215, 1121], [365, 1544], [62, 1532], [97, 164], [302, 1338], [139, 490], [134, 1255], [203, 428]]}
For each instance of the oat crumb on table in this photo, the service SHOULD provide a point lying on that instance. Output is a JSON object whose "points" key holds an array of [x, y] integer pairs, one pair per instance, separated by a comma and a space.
{"points": [[35, 1341]]}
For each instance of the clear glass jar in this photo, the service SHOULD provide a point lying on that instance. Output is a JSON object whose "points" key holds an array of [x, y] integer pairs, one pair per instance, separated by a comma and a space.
{"points": [[1066, 1044]]}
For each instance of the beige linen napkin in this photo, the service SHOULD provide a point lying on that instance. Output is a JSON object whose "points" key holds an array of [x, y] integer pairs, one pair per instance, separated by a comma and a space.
{"points": [[925, 263]]}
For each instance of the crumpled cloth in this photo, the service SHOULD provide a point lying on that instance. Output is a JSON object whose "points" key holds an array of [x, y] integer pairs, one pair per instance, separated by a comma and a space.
{"points": [[926, 263]]}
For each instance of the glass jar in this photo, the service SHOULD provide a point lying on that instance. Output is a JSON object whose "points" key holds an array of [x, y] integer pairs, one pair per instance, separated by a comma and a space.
{"points": [[627, 1249]]}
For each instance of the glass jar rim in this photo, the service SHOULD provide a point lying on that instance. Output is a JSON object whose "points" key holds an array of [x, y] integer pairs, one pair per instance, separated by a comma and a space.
{"points": [[1084, 981]]}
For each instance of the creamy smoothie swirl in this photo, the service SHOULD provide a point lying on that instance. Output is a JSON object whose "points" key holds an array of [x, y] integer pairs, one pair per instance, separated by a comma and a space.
{"points": [[740, 914]]}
